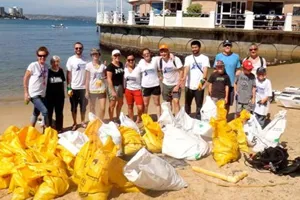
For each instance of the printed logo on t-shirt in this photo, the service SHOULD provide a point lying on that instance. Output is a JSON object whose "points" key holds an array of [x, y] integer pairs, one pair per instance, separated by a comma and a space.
{"points": [[168, 70], [119, 71], [56, 80], [194, 66], [220, 79], [80, 67], [260, 90], [97, 75], [130, 78], [149, 71]]}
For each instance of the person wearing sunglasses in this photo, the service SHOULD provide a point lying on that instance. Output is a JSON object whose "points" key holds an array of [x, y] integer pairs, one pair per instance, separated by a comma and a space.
{"points": [[35, 84], [96, 83], [55, 93], [150, 81], [232, 67], [115, 81], [257, 61], [76, 66], [133, 93]]}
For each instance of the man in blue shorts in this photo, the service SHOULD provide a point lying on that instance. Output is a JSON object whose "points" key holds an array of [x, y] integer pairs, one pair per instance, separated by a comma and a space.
{"points": [[232, 67]]}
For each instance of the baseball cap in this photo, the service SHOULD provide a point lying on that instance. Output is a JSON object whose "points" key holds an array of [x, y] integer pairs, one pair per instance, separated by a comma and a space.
{"points": [[163, 46], [261, 70], [116, 51], [95, 51], [247, 64], [227, 42], [219, 63]]}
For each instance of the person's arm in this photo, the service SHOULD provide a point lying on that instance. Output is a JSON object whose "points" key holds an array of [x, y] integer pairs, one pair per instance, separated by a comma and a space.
{"points": [[226, 93], [253, 95], [209, 88], [238, 67], [87, 83], [180, 69], [186, 69], [69, 89], [25, 84], [110, 83]]}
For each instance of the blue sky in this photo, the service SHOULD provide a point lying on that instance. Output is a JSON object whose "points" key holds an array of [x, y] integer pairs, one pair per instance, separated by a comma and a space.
{"points": [[62, 7]]}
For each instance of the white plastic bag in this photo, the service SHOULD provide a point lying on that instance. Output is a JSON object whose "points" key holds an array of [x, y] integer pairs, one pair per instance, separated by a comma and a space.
{"points": [[72, 141], [112, 130], [181, 145], [193, 126], [127, 122], [92, 116], [268, 137], [167, 115], [148, 171], [208, 110]]}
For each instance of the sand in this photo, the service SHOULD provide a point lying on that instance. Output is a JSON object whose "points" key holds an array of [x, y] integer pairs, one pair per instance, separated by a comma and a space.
{"points": [[16, 113]]}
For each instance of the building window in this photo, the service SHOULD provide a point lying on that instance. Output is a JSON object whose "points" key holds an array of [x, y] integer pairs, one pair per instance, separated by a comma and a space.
{"points": [[157, 8], [296, 10], [267, 8]]}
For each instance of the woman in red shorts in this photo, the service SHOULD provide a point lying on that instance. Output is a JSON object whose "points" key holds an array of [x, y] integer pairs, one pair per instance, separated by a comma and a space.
{"points": [[133, 91]]}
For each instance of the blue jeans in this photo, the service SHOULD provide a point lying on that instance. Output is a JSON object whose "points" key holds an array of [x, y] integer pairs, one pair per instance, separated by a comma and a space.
{"points": [[39, 107]]}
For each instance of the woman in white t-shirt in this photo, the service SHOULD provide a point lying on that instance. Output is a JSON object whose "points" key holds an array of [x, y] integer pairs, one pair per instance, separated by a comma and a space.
{"points": [[257, 61], [35, 84], [95, 83], [133, 88], [150, 81]]}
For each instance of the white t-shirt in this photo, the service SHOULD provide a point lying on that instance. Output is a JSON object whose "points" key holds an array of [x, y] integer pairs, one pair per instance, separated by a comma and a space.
{"points": [[77, 68], [257, 64], [97, 83], [170, 72], [263, 89], [149, 73], [133, 78], [195, 75], [38, 80]]}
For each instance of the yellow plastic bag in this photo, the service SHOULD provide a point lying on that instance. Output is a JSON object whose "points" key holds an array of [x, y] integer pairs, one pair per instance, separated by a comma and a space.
{"points": [[66, 156], [153, 137], [9, 133], [238, 126], [6, 168], [117, 178], [225, 144], [28, 136], [132, 141], [94, 183]]}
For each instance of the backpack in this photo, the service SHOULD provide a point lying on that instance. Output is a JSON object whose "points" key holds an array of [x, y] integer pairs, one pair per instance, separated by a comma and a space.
{"points": [[261, 60], [161, 64]]}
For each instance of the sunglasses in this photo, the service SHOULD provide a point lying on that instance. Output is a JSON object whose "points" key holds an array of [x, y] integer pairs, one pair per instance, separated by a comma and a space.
{"points": [[255, 49], [117, 55], [78, 48], [130, 60], [227, 45], [42, 56]]}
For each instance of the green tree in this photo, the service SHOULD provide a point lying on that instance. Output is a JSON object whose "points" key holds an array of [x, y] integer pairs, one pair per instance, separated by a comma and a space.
{"points": [[194, 8]]}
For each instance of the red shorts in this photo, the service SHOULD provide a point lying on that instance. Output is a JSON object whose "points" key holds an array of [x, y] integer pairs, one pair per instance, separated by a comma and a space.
{"points": [[134, 96]]}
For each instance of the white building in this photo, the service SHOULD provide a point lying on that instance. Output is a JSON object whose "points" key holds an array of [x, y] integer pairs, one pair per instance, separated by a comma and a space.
{"points": [[2, 11], [12, 11], [20, 11]]}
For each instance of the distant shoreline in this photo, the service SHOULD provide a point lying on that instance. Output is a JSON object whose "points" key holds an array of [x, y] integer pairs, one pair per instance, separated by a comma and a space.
{"points": [[58, 17]]}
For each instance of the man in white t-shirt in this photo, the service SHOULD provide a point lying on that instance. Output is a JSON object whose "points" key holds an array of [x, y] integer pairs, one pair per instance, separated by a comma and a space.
{"points": [[263, 95], [76, 66], [195, 74], [257, 61], [171, 69]]}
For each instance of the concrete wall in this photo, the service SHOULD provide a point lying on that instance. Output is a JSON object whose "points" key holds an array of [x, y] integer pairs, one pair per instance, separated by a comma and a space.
{"points": [[201, 22], [273, 45]]}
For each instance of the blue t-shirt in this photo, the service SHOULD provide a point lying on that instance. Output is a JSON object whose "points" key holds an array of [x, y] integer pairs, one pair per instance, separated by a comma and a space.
{"points": [[231, 62]]}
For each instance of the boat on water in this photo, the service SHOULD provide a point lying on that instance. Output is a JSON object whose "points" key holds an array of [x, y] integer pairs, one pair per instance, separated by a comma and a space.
{"points": [[61, 26]]}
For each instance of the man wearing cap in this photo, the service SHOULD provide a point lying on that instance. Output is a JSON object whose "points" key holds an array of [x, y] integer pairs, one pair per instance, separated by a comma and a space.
{"points": [[232, 64], [245, 88], [171, 69], [195, 74], [76, 66]]}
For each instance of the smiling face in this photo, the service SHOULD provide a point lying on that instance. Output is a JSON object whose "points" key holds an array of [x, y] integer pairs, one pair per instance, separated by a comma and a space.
{"points": [[78, 49], [116, 57], [95, 56], [227, 49], [41, 56], [195, 49], [253, 50], [130, 61], [146, 55], [164, 53]]}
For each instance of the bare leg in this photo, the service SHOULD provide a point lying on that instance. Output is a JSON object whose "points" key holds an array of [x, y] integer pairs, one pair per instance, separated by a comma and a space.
{"points": [[92, 104], [130, 111], [156, 99], [74, 116], [112, 105], [102, 108], [140, 109], [176, 105], [82, 114], [119, 107], [146, 103]]}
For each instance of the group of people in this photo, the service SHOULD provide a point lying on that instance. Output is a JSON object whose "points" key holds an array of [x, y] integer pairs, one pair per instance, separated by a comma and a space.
{"points": [[93, 83]]}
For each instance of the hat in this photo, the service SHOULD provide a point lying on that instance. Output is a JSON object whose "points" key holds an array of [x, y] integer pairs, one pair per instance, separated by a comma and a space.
{"points": [[116, 51], [261, 70], [219, 63], [227, 42], [95, 51], [163, 46], [247, 64]]}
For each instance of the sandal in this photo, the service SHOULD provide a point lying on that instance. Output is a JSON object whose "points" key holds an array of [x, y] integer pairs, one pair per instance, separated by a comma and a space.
{"points": [[74, 127], [83, 124]]}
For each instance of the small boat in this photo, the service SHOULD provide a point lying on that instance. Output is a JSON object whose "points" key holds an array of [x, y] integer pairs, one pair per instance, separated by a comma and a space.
{"points": [[293, 89], [59, 26], [289, 100]]}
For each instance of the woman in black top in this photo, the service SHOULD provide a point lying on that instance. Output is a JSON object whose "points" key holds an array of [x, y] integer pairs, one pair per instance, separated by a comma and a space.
{"points": [[115, 81], [55, 94]]}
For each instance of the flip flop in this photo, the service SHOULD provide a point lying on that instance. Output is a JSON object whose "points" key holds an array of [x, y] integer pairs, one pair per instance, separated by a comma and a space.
{"points": [[74, 127]]}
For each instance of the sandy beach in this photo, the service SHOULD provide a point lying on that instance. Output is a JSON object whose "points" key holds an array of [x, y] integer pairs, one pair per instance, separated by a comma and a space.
{"points": [[285, 187]]}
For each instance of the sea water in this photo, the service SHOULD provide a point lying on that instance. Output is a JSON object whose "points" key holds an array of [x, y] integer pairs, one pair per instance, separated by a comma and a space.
{"points": [[19, 40]]}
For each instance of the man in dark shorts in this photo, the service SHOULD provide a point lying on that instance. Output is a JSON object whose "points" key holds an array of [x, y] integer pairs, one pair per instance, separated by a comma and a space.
{"points": [[76, 65], [232, 68]]}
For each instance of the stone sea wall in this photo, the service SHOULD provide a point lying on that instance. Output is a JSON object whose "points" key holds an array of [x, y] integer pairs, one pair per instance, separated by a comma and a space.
{"points": [[275, 46]]}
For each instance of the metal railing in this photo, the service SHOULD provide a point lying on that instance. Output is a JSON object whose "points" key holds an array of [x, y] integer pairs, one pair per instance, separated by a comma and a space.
{"points": [[269, 22], [230, 20], [189, 14], [141, 20]]}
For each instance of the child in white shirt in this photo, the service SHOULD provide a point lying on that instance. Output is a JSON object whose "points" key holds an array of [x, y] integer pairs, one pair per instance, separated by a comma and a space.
{"points": [[263, 95]]}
